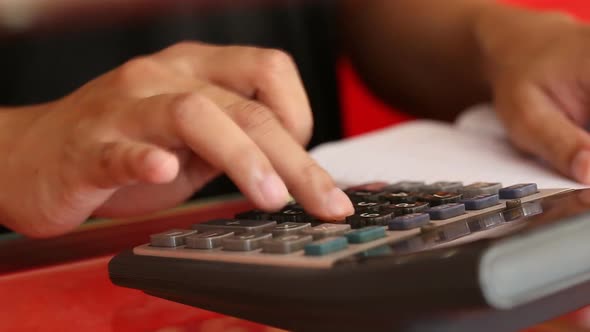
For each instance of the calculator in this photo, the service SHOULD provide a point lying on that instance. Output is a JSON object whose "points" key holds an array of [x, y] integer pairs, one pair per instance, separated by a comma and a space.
{"points": [[415, 256]]}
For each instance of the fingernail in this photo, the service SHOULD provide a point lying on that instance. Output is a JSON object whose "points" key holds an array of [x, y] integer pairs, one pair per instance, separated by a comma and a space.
{"points": [[581, 167], [338, 204], [273, 191]]}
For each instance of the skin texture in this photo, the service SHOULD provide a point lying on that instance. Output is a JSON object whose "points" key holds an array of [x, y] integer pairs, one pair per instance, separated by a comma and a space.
{"points": [[148, 134]]}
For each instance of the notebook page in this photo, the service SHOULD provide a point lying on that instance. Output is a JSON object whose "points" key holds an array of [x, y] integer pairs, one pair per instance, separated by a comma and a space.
{"points": [[432, 151]]}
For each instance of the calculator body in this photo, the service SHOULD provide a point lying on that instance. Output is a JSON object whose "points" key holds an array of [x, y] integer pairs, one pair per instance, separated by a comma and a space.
{"points": [[502, 267]]}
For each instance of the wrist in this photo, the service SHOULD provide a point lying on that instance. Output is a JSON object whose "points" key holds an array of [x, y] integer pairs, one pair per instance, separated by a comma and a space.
{"points": [[507, 35]]}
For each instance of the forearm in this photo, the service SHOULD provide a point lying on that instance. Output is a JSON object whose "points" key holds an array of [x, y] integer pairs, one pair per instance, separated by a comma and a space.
{"points": [[429, 57]]}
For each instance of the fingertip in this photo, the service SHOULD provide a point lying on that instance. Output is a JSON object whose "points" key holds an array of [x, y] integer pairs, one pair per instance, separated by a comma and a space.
{"points": [[338, 205], [159, 166], [272, 193]]}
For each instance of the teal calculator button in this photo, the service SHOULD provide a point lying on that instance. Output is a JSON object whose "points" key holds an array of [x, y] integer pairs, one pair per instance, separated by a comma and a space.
{"points": [[326, 246], [366, 234]]}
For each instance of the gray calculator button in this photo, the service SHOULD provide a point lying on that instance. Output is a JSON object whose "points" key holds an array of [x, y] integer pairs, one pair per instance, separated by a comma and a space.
{"points": [[446, 186], [518, 191], [285, 244], [481, 188], [244, 242], [207, 239], [326, 230], [235, 225], [171, 238], [288, 228]]}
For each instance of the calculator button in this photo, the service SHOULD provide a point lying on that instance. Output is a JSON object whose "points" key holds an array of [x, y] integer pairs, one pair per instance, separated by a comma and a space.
{"points": [[409, 221], [406, 208], [207, 239], [407, 186], [288, 228], [291, 214], [366, 234], [370, 218], [481, 202], [326, 246], [285, 244], [244, 242], [445, 186], [440, 198], [326, 230], [399, 197], [253, 215], [518, 191], [446, 211], [235, 225], [361, 195], [373, 187], [172, 238], [364, 206], [481, 188]]}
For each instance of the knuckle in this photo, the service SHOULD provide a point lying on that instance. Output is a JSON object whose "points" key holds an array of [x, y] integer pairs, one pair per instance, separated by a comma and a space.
{"points": [[274, 63], [252, 116], [300, 126], [186, 108], [136, 69]]}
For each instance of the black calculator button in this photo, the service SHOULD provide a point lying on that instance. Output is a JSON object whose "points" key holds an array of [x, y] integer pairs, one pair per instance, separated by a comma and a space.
{"points": [[244, 242], [326, 230], [446, 211], [364, 206], [481, 201], [172, 238], [440, 198], [445, 186], [291, 214], [288, 228], [406, 208], [207, 240], [399, 197], [481, 188], [235, 225], [409, 221], [286, 244], [253, 215], [370, 218], [407, 186], [518, 191]]}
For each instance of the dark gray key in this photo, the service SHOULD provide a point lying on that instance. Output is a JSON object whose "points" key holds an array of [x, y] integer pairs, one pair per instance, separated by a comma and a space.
{"points": [[370, 218], [244, 242], [286, 244], [171, 238], [446, 186], [288, 228], [409, 221], [407, 186], [235, 225], [480, 202], [291, 214], [518, 191], [207, 239], [481, 188], [326, 230], [364, 206], [446, 211]]}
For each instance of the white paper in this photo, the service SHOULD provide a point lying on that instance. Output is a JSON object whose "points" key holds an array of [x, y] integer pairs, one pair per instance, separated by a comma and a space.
{"points": [[435, 151]]}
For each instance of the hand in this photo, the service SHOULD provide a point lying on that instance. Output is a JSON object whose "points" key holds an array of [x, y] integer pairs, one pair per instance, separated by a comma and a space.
{"points": [[148, 134], [539, 68]]}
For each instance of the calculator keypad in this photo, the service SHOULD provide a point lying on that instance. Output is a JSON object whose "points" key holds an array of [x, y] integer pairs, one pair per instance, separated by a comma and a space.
{"points": [[401, 217]]}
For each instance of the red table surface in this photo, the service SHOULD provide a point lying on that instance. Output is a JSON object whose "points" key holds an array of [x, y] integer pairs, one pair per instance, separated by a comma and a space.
{"points": [[72, 292]]}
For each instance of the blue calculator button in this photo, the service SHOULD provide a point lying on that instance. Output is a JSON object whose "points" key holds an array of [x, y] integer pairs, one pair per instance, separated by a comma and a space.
{"points": [[446, 211], [409, 221], [481, 202], [366, 234], [518, 191], [326, 246]]}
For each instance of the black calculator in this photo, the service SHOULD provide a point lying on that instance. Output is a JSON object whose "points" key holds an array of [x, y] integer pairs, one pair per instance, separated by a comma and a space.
{"points": [[415, 256]]}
